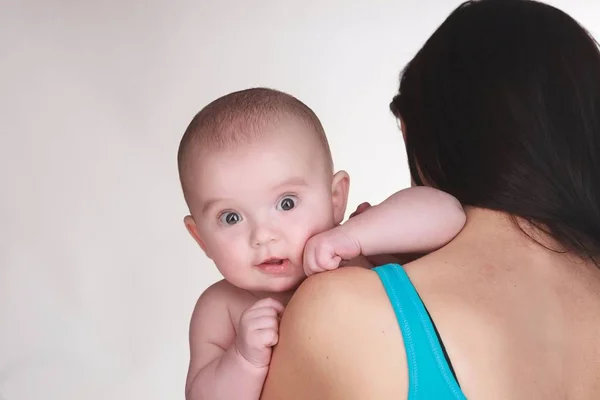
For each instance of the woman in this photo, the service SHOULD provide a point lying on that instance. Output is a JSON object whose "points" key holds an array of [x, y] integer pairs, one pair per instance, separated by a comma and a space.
{"points": [[500, 108]]}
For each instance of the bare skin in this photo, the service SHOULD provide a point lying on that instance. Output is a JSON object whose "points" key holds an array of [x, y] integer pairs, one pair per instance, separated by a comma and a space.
{"points": [[518, 322], [217, 319], [233, 329]]}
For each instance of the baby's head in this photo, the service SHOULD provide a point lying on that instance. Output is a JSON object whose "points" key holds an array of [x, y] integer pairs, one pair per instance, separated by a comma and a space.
{"points": [[257, 175]]}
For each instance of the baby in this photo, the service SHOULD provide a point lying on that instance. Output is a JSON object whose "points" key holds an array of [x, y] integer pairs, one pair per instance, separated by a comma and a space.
{"points": [[266, 206]]}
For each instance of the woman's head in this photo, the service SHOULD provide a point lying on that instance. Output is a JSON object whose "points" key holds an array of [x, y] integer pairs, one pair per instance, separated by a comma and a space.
{"points": [[501, 108]]}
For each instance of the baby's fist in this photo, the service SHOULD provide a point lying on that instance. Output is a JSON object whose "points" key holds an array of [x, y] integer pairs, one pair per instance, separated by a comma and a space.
{"points": [[325, 251], [259, 331]]}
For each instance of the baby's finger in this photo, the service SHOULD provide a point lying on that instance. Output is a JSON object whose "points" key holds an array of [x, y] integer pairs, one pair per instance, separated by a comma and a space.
{"points": [[268, 302], [312, 268], [330, 264], [335, 262], [310, 263], [264, 322], [359, 210], [262, 312], [268, 337], [328, 259]]}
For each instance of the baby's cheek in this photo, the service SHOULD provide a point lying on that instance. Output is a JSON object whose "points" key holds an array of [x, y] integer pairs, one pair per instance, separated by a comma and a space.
{"points": [[297, 237], [307, 224], [310, 231], [231, 251], [325, 223]]}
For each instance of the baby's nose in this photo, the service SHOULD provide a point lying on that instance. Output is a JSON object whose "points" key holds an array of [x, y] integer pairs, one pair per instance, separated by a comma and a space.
{"points": [[262, 236]]}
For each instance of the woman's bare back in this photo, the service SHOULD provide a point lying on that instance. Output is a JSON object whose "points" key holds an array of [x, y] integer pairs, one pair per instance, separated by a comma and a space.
{"points": [[518, 322]]}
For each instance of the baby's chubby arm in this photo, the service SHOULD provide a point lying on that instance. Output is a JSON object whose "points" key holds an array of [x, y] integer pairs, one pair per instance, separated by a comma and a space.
{"points": [[223, 365], [414, 220]]}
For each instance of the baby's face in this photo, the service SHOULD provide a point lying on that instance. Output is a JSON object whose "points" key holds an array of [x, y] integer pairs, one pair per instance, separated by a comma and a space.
{"points": [[255, 207]]}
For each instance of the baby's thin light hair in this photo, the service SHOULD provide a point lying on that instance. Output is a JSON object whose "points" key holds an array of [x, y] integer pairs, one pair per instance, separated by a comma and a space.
{"points": [[241, 117]]}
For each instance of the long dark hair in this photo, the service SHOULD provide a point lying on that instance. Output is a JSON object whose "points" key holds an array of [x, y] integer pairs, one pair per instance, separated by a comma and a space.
{"points": [[502, 110]]}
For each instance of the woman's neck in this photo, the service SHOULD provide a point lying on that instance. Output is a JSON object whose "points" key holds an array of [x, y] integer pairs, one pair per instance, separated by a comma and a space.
{"points": [[489, 229]]}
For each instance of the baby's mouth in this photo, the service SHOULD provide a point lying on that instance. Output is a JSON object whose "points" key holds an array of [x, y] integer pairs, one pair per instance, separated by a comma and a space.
{"points": [[273, 261], [275, 266]]}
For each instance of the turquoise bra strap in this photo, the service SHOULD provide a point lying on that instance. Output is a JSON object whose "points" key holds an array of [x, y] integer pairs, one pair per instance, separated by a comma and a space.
{"points": [[429, 374]]}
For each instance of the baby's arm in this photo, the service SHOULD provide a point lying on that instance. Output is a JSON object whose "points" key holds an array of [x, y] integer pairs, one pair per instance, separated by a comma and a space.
{"points": [[414, 220], [223, 366]]}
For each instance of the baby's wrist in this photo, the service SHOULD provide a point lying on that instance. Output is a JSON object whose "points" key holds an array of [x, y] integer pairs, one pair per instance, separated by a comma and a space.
{"points": [[245, 363], [350, 233]]}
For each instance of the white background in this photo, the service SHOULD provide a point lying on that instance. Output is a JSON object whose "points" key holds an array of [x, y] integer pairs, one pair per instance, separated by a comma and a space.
{"points": [[98, 276]]}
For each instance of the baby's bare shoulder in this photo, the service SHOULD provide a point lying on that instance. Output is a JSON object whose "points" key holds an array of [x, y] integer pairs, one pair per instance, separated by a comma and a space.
{"points": [[221, 304], [223, 298], [222, 290]]}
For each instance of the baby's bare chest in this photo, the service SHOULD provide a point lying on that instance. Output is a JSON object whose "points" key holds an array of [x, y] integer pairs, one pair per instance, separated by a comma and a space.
{"points": [[237, 304]]}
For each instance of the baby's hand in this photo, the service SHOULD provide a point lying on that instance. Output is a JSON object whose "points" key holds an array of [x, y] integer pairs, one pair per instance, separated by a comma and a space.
{"points": [[325, 251], [259, 331]]}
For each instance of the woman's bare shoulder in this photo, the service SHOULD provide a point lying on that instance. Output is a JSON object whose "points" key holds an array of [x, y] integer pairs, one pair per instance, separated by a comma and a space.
{"points": [[338, 328], [331, 293], [331, 285]]}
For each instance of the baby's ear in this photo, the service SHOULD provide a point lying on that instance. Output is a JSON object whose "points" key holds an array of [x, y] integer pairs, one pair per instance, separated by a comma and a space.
{"points": [[339, 195], [190, 224]]}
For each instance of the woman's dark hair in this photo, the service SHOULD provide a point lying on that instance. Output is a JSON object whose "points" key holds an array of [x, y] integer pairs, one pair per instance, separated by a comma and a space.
{"points": [[502, 110]]}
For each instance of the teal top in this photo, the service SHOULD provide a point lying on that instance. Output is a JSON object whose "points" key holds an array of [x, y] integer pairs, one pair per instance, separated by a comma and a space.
{"points": [[429, 374]]}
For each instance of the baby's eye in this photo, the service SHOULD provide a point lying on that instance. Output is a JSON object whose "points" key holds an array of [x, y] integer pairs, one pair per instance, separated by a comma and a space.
{"points": [[287, 203], [230, 218]]}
